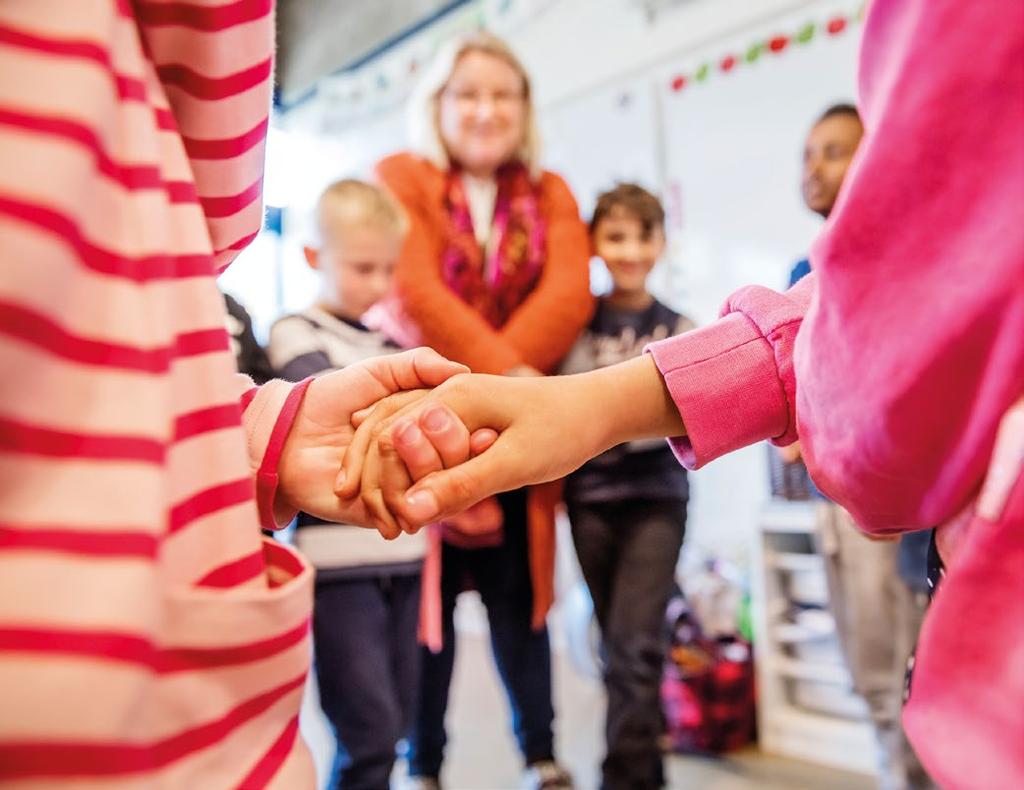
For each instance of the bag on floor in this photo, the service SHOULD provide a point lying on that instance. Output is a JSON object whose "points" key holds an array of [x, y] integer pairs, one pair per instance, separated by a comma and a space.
{"points": [[707, 689]]}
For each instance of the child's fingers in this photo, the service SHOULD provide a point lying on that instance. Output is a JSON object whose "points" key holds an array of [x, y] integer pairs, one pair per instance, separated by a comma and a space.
{"points": [[397, 466], [362, 414], [387, 531], [469, 398], [450, 491], [394, 482], [447, 434], [415, 448], [481, 440], [346, 485], [418, 367], [373, 498]]}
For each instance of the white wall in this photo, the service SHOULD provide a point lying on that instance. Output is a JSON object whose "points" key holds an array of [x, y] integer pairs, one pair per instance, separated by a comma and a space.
{"points": [[724, 154]]}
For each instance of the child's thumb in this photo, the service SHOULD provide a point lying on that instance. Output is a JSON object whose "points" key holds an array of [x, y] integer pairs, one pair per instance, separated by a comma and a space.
{"points": [[451, 491]]}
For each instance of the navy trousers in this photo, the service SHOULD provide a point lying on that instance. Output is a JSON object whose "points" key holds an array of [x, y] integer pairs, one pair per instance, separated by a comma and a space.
{"points": [[367, 667]]}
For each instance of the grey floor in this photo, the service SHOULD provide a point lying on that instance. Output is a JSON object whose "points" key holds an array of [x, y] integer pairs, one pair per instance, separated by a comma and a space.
{"points": [[482, 755]]}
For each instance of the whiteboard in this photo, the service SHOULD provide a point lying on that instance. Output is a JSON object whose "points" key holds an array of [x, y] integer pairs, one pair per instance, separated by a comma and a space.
{"points": [[602, 138], [725, 157], [733, 161]]}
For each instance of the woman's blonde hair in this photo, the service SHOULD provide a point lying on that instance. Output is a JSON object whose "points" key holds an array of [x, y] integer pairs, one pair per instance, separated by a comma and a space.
{"points": [[424, 110]]}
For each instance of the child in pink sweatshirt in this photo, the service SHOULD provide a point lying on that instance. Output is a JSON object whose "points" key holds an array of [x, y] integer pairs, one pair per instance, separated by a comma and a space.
{"points": [[904, 381]]}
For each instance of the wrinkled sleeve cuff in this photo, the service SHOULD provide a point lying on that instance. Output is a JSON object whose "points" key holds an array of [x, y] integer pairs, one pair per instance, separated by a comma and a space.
{"points": [[268, 418], [724, 381]]}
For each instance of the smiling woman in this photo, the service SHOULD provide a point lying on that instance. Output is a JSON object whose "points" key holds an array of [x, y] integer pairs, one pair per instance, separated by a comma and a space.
{"points": [[494, 273]]}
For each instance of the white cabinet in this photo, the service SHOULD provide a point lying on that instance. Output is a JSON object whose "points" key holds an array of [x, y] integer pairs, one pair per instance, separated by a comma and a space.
{"points": [[806, 706]]}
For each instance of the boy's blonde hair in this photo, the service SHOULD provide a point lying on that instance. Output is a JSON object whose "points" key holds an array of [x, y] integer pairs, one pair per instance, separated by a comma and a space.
{"points": [[351, 201], [424, 109]]}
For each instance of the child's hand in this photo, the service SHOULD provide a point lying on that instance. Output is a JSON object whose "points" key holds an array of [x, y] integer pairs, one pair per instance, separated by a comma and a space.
{"points": [[546, 428], [322, 430], [791, 453], [541, 435], [438, 441]]}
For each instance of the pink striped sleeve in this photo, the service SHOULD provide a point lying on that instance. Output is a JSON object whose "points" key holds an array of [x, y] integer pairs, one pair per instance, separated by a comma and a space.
{"points": [[269, 413], [215, 63], [133, 577]]}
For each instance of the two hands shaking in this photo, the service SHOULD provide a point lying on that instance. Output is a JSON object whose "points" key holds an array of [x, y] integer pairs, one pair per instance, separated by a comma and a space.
{"points": [[399, 442]]}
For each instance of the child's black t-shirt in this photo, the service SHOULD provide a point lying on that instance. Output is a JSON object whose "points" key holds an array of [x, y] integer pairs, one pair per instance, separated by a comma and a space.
{"points": [[634, 470]]}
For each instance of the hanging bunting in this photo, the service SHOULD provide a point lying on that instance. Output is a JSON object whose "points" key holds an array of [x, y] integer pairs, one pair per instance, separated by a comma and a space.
{"points": [[806, 33], [776, 45], [836, 26], [399, 81]]}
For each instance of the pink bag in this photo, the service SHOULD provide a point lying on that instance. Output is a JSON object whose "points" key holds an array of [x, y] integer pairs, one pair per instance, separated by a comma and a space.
{"points": [[707, 689]]}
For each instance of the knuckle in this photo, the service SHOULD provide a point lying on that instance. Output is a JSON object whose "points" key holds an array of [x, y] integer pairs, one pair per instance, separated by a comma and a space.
{"points": [[393, 502], [377, 428], [458, 384], [461, 485]]}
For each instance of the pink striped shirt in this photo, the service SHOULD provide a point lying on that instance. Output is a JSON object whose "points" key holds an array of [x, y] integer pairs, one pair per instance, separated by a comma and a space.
{"points": [[149, 636]]}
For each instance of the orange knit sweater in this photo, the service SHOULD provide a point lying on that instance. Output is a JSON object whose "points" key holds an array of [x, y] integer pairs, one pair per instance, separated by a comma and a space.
{"points": [[545, 326], [538, 334]]}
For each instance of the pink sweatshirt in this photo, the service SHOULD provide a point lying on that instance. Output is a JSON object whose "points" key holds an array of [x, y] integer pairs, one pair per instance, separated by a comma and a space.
{"points": [[897, 360], [150, 637]]}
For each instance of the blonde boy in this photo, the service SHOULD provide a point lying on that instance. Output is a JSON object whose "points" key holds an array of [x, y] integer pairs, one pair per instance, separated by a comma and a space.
{"points": [[366, 609]]}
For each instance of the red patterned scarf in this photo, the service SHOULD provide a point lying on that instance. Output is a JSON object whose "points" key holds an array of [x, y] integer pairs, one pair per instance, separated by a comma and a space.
{"points": [[497, 280]]}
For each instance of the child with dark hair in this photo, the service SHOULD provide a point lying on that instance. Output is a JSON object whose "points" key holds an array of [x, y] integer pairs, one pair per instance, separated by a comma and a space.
{"points": [[628, 505], [877, 615]]}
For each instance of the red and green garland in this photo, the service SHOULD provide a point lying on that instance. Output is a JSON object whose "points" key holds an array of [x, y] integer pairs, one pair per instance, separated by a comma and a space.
{"points": [[774, 45]]}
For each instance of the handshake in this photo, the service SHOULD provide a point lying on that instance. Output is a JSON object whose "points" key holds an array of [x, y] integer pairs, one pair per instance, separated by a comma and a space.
{"points": [[401, 441]]}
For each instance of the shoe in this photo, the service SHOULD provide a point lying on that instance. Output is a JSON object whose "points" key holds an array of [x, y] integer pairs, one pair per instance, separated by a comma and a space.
{"points": [[547, 775], [421, 783]]}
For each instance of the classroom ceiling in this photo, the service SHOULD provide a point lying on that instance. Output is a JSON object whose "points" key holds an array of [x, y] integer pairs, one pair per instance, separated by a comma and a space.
{"points": [[319, 37]]}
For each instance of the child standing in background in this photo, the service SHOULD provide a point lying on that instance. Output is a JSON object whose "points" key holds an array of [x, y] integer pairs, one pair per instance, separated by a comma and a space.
{"points": [[628, 505], [367, 601], [877, 615], [250, 356]]}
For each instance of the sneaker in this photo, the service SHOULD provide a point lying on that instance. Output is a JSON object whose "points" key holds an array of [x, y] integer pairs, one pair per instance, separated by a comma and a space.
{"points": [[547, 775], [421, 783]]}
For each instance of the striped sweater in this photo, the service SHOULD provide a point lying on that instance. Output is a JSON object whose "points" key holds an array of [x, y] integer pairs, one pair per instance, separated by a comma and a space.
{"points": [[149, 636], [311, 343]]}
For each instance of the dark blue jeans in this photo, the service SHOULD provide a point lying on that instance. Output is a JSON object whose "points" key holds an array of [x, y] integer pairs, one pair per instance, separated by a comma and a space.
{"points": [[367, 666], [628, 552], [501, 574]]}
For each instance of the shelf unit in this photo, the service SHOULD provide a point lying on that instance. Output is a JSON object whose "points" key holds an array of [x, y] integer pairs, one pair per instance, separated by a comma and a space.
{"points": [[838, 733]]}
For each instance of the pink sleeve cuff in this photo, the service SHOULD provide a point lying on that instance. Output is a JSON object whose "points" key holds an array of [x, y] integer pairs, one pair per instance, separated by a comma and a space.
{"points": [[268, 418], [724, 381]]}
